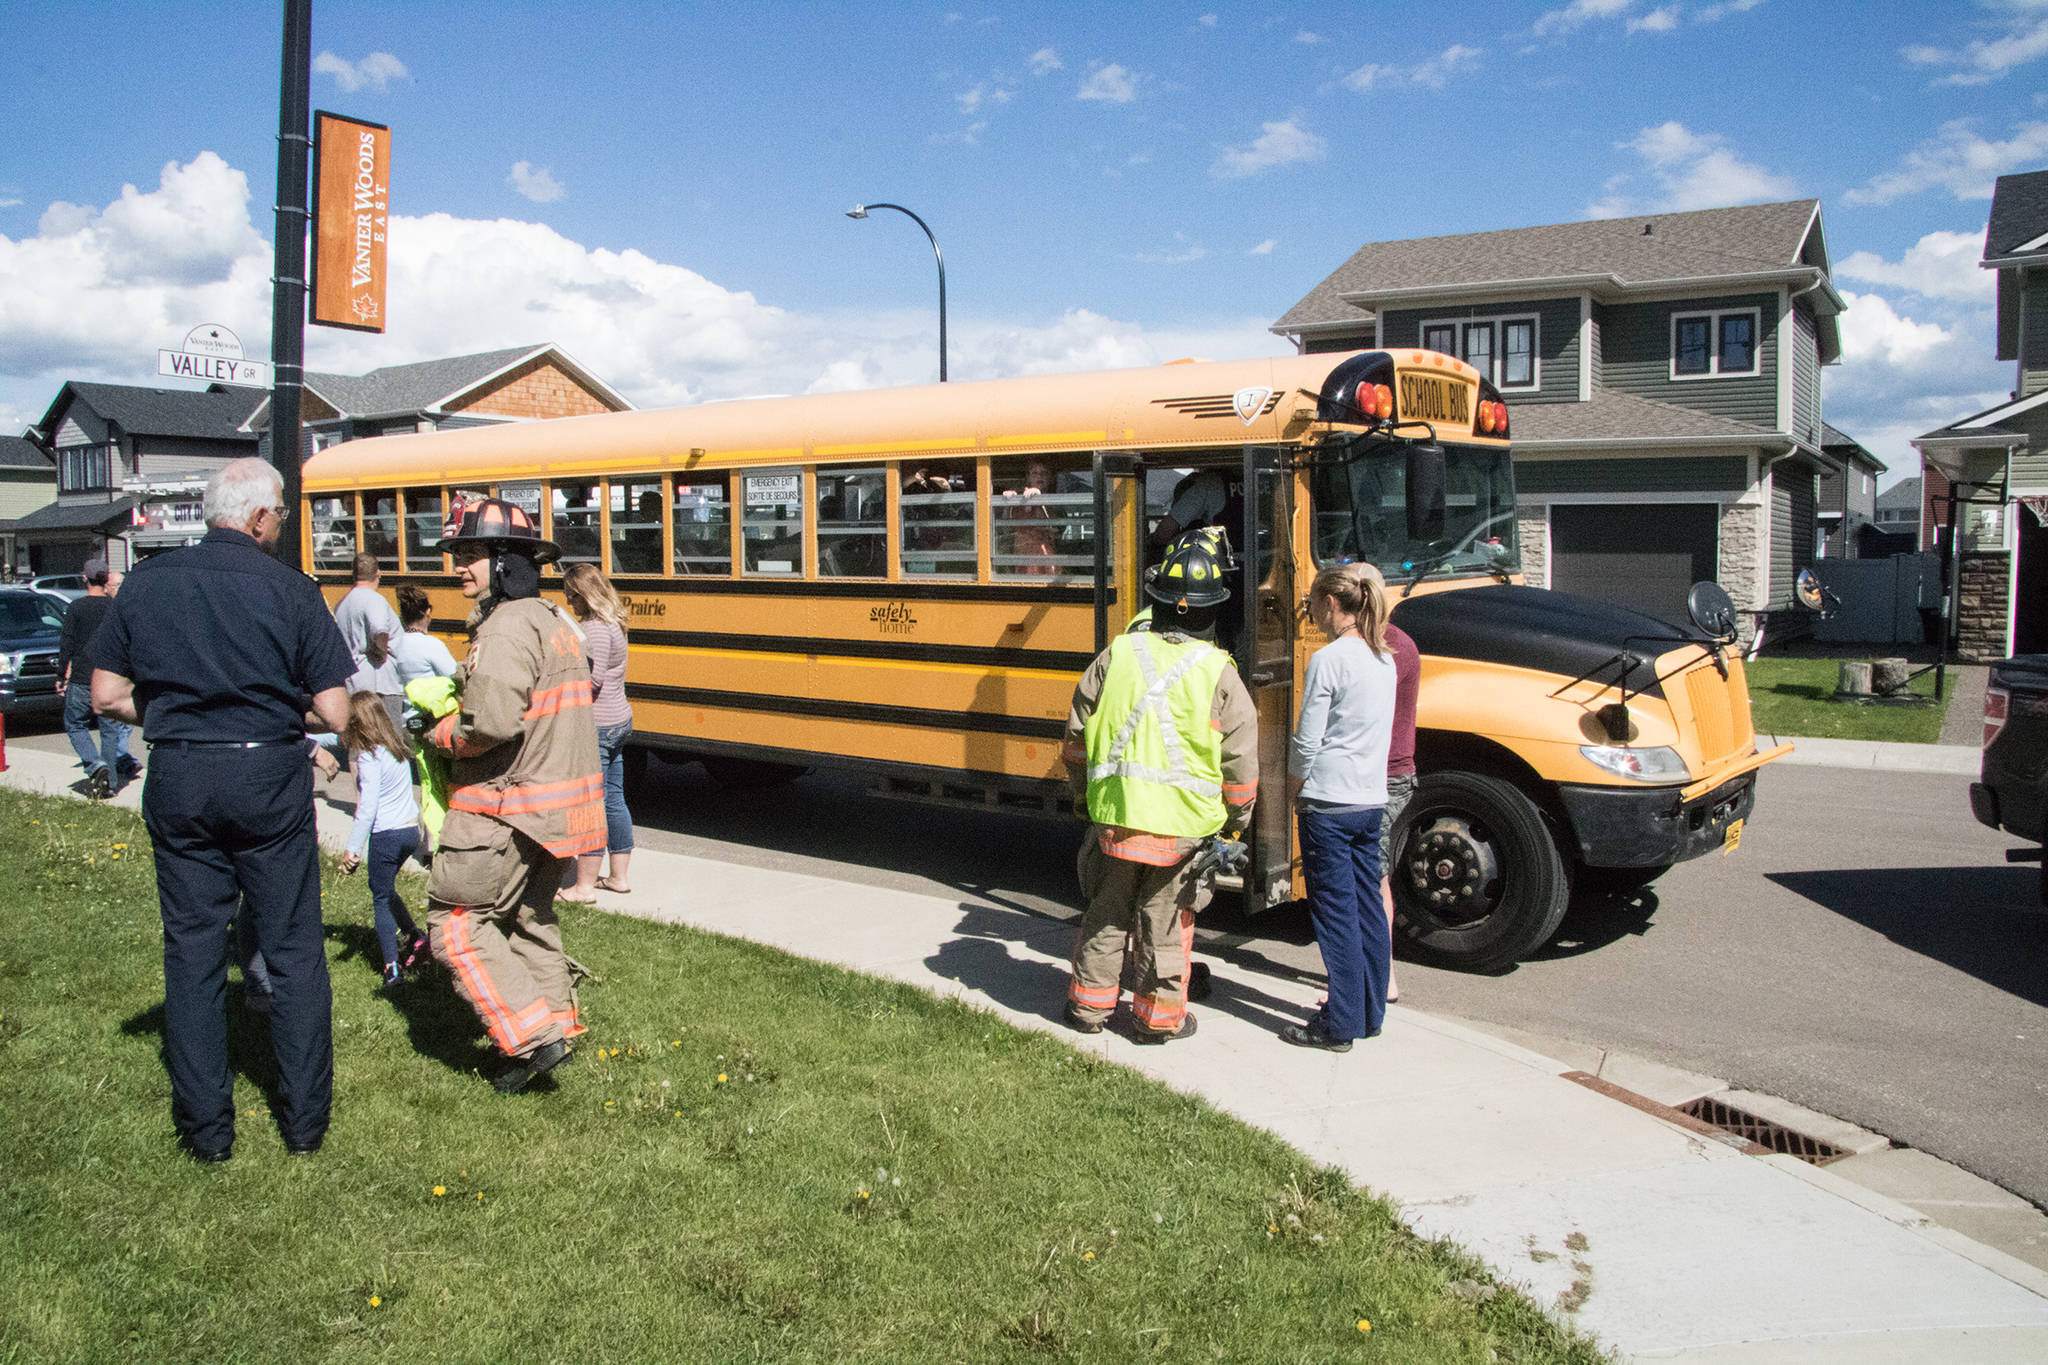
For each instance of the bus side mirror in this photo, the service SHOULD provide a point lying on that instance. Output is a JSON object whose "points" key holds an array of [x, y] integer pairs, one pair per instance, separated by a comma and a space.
{"points": [[1425, 480]]}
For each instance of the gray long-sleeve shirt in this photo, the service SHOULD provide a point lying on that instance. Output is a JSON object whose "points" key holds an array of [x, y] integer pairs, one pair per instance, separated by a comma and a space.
{"points": [[1345, 725]]}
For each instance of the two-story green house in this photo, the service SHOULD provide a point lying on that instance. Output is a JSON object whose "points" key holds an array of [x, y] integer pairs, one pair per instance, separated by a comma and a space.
{"points": [[1995, 463], [1665, 377]]}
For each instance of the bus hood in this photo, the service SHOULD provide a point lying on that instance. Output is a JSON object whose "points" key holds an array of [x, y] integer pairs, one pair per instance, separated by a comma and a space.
{"points": [[1541, 630]]}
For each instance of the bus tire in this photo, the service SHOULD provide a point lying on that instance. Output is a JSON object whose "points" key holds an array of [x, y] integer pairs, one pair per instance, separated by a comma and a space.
{"points": [[1478, 880], [1616, 881], [748, 774]]}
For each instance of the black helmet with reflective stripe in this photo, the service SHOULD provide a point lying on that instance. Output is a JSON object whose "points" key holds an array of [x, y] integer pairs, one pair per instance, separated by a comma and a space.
{"points": [[493, 524], [1195, 571]]}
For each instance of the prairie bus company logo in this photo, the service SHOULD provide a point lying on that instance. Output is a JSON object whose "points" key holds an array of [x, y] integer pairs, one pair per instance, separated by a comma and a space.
{"points": [[651, 608], [894, 618], [1426, 398]]}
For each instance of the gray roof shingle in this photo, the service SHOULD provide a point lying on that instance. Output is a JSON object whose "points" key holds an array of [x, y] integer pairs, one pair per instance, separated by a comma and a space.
{"points": [[162, 412], [2019, 213], [1833, 440], [411, 388], [1905, 493], [1699, 245], [57, 516], [18, 452], [1611, 415]]}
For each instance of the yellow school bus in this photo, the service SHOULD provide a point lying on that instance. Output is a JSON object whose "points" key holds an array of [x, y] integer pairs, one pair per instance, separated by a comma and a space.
{"points": [[907, 583]]}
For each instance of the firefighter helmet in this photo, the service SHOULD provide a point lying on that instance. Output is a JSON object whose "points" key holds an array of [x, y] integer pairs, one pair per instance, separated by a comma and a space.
{"points": [[1195, 571], [494, 524]]}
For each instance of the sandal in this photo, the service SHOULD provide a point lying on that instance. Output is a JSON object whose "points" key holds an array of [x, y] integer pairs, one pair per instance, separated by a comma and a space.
{"points": [[574, 899], [607, 884]]}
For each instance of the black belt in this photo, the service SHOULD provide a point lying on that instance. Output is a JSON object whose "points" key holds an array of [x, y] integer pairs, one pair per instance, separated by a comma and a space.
{"points": [[225, 743]]}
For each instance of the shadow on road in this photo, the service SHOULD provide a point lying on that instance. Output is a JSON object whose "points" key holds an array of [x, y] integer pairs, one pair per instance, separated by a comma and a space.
{"points": [[1597, 920], [1978, 920]]}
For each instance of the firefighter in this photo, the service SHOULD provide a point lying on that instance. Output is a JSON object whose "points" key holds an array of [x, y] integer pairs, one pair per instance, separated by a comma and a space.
{"points": [[1163, 739], [525, 794]]}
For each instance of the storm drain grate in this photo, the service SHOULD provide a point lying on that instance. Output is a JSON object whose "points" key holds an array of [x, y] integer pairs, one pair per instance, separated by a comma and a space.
{"points": [[1763, 1132]]}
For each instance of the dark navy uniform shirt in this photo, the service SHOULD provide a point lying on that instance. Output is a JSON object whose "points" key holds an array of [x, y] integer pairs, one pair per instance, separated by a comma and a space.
{"points": [[223, 643]]}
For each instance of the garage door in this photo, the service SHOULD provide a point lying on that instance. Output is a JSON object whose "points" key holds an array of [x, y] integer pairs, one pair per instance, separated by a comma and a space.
{"points": [[1641, 555]]}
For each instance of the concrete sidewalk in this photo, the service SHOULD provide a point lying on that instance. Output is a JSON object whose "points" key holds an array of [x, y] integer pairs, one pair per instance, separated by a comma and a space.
{"points": [[1663, 1242]]}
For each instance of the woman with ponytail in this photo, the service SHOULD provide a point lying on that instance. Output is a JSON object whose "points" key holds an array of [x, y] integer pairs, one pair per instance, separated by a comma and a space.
{"points": [[1339, 784]]}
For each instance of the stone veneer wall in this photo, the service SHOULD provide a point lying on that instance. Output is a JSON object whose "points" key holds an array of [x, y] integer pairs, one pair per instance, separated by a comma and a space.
{"points": [[1741, 569], [1532, 528], [1982, 605]]}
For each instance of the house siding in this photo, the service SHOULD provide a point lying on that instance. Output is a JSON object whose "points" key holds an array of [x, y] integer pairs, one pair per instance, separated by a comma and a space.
{"points": [[1792, 526], [1805, 379], [1557, 340], [164, 457], [539, 388], [2030, 464], [1322, 345], [22, 491], [2034, 333], [1635, 347], [1699, 474]]}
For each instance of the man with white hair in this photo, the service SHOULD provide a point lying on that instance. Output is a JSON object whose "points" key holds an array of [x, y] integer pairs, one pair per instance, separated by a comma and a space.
{"points": [[219, 651]]}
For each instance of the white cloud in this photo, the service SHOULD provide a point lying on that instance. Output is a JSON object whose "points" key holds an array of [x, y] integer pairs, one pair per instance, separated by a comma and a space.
{"points": [[375, 71], [1872, 330], [1982, 61], [1186, 252], [537, 183], [1278, 144], [1111, 84], [971, 100], [1656, 21], [1207, 21], [1709, 13], [970, 136], [1045, 61], [1901, 377], [1264, 248], [1957, 160], [1430, 73], [1692, 171], [10, 203], [97, 299], [1576, 13], [1941, 265], [1307, 38]]}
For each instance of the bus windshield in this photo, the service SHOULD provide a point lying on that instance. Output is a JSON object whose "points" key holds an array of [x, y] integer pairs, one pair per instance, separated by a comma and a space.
{"points": [[1360, 494]]}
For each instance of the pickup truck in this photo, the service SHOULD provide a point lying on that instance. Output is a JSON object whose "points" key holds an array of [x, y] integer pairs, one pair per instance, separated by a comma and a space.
{"points": [[2014, 793]]}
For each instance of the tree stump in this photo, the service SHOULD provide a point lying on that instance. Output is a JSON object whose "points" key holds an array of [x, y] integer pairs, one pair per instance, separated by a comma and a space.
{"points": [[1888, 677], [1854, 680]]}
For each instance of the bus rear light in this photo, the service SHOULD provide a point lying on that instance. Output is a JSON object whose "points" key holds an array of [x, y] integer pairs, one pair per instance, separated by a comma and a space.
{"points": [[1376, 400], [1486, 418], [1997, 704], [1493, 418]]}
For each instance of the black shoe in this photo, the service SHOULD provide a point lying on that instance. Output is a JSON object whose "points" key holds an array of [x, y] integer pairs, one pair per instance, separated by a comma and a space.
{"points": [[303, 1148], [213, 1157], [1079, 1025], [1198, 981], [1307, 1035], [1147, 1035], [98, 786], [526, 1070]]}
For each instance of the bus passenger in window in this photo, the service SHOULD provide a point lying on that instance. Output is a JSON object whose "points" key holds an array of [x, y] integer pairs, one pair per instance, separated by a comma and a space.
{"points": [[1198, 500], [1036, 536]]}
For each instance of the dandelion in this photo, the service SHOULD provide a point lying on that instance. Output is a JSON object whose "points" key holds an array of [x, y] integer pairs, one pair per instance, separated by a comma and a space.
{"points": [[677, 1043], [1087, 1255], [721, 1078], [120, 845], [479, 1196], [440, 1190], [611, 1104], [679, 1114], [376, 1302], [1364, 1325]]}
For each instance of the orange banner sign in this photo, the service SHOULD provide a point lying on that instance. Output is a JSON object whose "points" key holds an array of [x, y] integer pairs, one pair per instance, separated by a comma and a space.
{"points": [[351, 195]]}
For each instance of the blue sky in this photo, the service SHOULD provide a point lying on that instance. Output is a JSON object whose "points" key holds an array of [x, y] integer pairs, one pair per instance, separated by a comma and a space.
{"points": [[660, 188]]}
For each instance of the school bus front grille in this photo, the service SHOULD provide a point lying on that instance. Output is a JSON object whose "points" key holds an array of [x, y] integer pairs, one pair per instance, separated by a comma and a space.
{"points": [[1713, 711]]}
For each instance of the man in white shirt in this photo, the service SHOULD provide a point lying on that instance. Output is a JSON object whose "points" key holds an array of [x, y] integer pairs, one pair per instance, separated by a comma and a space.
{"points": [[369, 626]]}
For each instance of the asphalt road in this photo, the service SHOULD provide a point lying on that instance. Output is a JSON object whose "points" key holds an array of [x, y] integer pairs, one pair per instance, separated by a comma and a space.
{"points": [[1866, 953]]}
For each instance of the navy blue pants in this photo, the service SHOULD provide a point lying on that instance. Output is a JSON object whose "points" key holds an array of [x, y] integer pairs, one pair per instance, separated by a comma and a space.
{"points": [[235, 826], [1340, 861], [389, 848]]}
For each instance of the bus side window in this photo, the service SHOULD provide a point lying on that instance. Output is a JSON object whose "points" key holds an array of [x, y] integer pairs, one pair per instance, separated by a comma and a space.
{"points": [[938, 518], [772, 522], [423, 530], [575, 510], [853, 540], [380, 528], [703, 520], [636, 527], [333, 525], [1042, 520]]}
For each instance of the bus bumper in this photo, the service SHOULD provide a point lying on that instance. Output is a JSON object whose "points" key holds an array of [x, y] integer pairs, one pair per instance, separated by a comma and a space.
{"points": [[1656, 826]]}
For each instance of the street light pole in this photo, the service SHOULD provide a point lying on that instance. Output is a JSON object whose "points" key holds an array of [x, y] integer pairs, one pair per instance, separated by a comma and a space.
{"points": [[861, 211]]}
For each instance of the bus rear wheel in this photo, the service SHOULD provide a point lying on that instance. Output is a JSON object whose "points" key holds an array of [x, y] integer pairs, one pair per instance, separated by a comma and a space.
{"points": [[1478, 881]]}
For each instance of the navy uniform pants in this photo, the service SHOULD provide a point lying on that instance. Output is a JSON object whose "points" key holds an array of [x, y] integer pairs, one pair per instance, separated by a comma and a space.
{"points": [[234, 827]]}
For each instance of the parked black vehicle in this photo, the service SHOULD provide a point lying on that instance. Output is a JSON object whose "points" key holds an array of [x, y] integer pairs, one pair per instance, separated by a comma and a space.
{"points": [[2014, 793], [30, 627]]}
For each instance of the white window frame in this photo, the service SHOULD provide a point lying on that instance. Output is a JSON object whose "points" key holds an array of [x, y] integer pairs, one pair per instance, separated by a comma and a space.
{"points": [[1713, 318], [1498, 322]]}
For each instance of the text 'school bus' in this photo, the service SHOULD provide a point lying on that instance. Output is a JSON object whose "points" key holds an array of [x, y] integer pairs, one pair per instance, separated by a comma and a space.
{"points": [[908, 582]]}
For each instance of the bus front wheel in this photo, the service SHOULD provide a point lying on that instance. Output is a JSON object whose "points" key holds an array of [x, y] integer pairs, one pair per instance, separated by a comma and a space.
{"points": [[1478, 881]]}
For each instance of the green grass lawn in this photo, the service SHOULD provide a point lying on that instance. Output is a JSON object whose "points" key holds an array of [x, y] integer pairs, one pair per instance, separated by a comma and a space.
{"points": [[753, 1157], [1791, 697]]}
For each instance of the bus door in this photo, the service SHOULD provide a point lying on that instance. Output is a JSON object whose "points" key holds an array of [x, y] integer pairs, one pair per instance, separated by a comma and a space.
{"points": [[1265, 659], [1119, 486]]}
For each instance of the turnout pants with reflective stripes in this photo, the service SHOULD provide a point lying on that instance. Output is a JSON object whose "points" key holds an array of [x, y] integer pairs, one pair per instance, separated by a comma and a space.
{"points": [[1150, 907], [232, 831], [491, 919]]}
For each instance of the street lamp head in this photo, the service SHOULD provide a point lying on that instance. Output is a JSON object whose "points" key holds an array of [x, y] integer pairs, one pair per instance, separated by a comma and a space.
{"points": [[857, 211]]}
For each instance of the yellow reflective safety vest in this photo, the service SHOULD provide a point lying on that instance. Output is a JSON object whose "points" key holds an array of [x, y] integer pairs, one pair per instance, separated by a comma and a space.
{"points": [[1155, 763]]}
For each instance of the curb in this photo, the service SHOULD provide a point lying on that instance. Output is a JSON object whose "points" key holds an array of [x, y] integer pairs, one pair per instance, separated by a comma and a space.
{"points": [[1961, 760]]}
